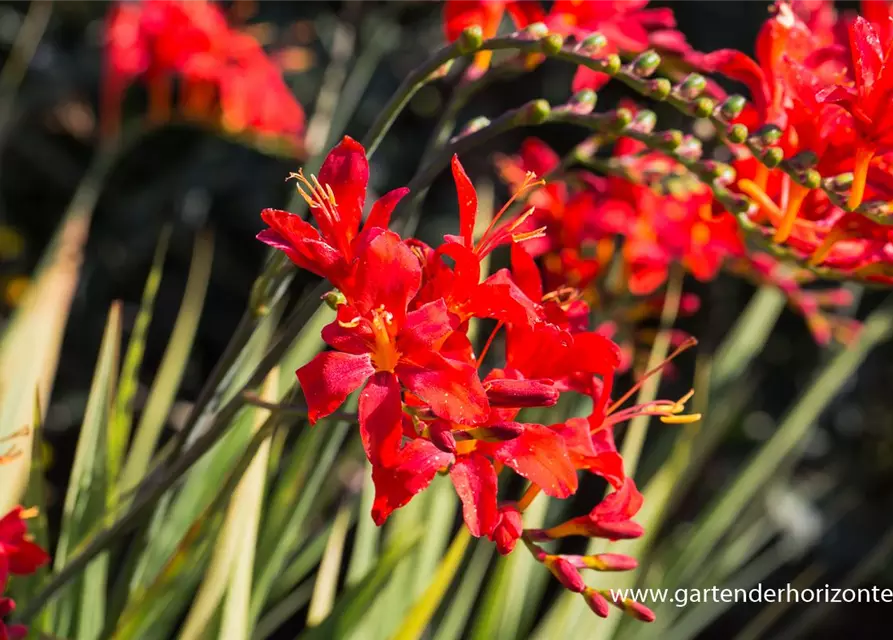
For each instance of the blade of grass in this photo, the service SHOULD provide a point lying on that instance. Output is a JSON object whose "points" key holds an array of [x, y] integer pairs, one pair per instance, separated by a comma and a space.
{"points": [[416, 621], [122, 412], [461, 605], [789, 435], [326, 585], [81, 609], [365, 546], [173, 365], [241, 520]]}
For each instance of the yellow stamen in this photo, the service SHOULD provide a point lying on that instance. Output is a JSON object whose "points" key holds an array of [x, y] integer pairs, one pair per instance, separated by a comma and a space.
{"points": [[686, 419], [530, 182], [28, 514], [685, 346], [529, 235], [758, 195], [860, 176]]}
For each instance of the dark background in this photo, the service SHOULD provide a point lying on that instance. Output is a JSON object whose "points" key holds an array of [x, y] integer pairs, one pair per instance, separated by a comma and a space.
{"points": [[191, 179]]}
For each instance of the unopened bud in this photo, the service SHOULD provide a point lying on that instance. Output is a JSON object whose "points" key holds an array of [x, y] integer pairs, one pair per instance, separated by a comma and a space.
{"points": [[732, 107], [646, 64], [842, 181], [592, 43], [612, 64], [737, 133], [509, 393], [703, 107], [334, 299], [769, 134], [536, 112], [552, 44], [811, 179], [597, 602], [772, 157], [659, 88], [471, 39], [693, 86], [630, 607], [566, 574], [720, 171], [803, 160], [645, 121], [584, 101], [610, 562], [537, 30], [622, 119], [671, 139], [508, 530]]}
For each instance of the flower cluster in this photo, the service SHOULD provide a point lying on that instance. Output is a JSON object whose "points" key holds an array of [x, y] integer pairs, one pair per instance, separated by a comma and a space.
{"points": [[820, 86], [18, 556], [429, 402], [221, 70]]}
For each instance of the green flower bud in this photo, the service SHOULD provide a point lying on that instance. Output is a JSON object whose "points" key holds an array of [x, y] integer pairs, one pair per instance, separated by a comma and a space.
{"points": [[646, 64], [737, 133], [772, 157], [693, 86], [732, 107], [552, 43], [703, 107], [659, 88], [471, 39]]}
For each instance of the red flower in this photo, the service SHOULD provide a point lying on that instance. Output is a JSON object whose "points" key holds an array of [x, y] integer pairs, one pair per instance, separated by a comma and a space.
{"points": [[376, 339], [163, 39], [336, 201], [868, 100], [18, 556]]}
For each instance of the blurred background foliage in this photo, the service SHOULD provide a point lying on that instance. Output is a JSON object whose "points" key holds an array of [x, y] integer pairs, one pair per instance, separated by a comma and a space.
{"points": [[190, 179]]}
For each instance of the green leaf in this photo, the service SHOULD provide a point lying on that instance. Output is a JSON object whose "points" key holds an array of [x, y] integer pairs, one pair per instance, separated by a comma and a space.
{"points": [[173, 365], [122, 412], [353, 605], [326, 585], [82, 604]]}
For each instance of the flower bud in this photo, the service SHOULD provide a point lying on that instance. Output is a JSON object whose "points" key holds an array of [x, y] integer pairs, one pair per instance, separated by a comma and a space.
{"points": [[646, 64], [612, 64], [609, 562], [622, 119], [703, 107], [803, 160], [645, 121], [583, 102], [508, 530], [535, 112], [659, 88], [693, 86], [596, 602], [842, 181], [732, 107], [630, 607], [474, 125], [334, 299], [592, 43], [505, 392], [552, 43], [537, 30], [769, 134], [737, 133], [471, 39], [811, 179], [565, 572], [772, 157], [671, 139]]}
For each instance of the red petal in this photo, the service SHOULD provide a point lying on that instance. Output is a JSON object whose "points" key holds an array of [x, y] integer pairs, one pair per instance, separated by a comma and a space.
{"points": [[380, 215], [345, 334], [538, 156], [525, 12], [419, 462], [381, 414], [475, 480], [468, 202], [865, 47], [346, 171], [586, 78], [329, 378], [458, 15], [539, 454], [525, 273], [425, 328], [388, 274], [452, 389], [500, 298], [300, 242]]}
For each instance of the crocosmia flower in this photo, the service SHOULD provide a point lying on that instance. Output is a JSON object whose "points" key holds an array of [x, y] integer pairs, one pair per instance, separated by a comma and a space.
{"points": [[18, 556]]}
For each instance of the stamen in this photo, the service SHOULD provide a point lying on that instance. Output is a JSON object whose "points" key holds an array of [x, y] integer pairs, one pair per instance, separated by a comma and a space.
{"points": [[529, 235], [685, 419], [489, 342], [685, 346], [530, 181], [28, 514], [758, 195]]}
